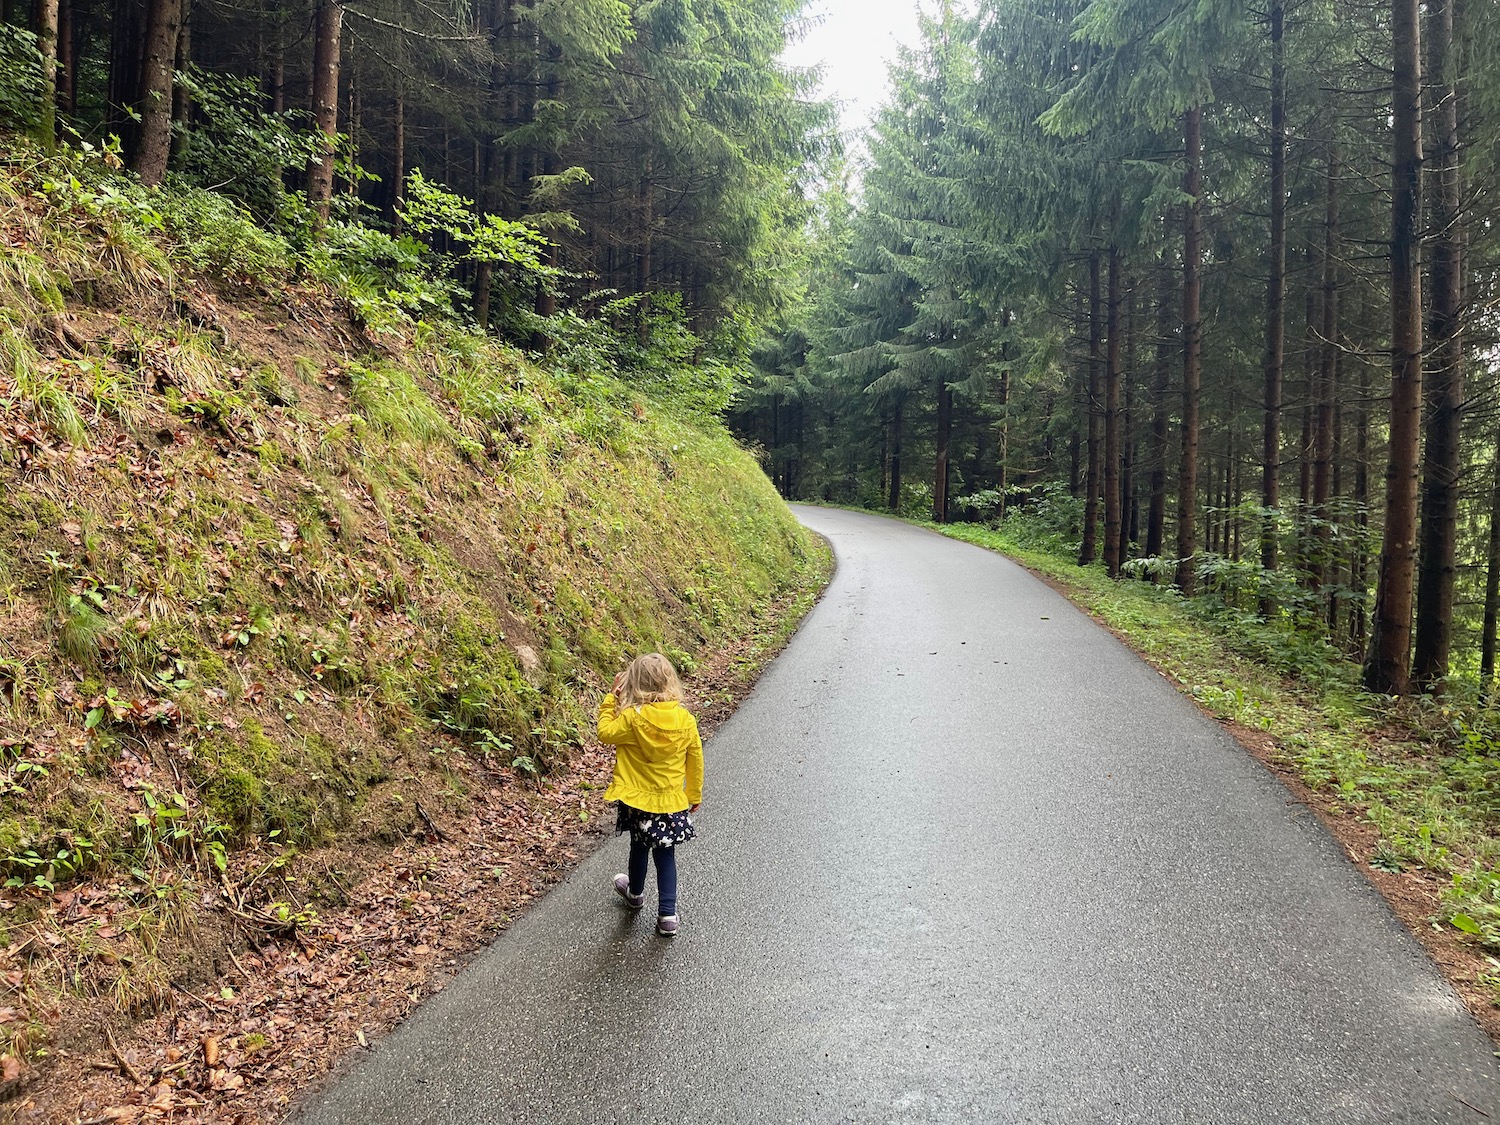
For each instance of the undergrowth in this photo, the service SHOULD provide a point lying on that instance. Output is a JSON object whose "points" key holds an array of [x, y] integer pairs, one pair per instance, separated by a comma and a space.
{"points": [[265, 572], [1425, 772]]}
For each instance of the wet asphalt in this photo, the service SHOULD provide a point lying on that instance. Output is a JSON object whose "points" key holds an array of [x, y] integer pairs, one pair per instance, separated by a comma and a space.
{"points": [[962, 858]]}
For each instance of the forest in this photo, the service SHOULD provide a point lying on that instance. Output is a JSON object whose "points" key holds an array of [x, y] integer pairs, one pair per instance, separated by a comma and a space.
{"points": [[1201, 291], [633, 159], [350, 350]]}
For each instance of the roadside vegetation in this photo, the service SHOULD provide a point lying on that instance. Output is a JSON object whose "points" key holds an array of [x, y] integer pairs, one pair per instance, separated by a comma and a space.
{"points": [[294, 567], [1423, 772]]}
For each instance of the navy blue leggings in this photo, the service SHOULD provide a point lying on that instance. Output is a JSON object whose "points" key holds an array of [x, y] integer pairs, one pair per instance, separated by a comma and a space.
{"points": [[666, 874]]}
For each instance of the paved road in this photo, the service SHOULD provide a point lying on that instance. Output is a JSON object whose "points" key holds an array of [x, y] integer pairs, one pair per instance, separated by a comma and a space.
{"points": [[963, 858]]}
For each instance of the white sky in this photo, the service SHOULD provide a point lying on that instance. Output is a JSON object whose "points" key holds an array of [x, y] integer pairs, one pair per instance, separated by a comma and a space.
{"points": [[854, 42]]}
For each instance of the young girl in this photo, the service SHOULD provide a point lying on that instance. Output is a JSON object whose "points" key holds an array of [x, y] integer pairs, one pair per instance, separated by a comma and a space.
{"points": [[658, 777]]}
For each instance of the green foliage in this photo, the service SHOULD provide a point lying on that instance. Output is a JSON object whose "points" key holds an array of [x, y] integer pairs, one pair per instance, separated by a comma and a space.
{"points": [[651, 347], [238, 148], [212, 234], [1049, 522], [431, 209], [391, 281], [21, 87]]}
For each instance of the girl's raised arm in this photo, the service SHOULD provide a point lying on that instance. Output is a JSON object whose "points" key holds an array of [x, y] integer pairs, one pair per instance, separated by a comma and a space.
{"points": [[613, 726]]}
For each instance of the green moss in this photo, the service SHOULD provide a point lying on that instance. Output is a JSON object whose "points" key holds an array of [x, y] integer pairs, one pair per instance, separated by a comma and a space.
{"points": [[14, 835], [235, 797]]}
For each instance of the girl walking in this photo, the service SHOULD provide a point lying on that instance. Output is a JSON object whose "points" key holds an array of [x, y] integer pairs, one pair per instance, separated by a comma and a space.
{"points": [[658, 778]]}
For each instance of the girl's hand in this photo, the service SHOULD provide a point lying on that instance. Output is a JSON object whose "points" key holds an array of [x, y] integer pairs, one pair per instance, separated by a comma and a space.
{"points": [[696, 807], [619, 683]]}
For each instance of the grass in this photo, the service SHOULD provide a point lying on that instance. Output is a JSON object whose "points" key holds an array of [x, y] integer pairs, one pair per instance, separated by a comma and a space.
{"points": [[1424, 773], [247, 599]]}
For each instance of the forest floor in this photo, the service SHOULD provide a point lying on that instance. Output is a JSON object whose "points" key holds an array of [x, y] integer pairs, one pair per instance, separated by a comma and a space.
{"points": [[1403, 786], [294, 1007]]}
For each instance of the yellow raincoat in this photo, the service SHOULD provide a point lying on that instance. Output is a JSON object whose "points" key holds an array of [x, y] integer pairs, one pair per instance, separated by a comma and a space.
{"points": [[658, 755]]}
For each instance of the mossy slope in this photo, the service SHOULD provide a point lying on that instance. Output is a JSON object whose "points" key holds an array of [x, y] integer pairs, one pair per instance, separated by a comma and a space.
{"points": [[259, 575]]}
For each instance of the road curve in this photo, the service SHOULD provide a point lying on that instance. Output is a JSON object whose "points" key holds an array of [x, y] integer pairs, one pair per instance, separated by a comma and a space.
{"points": [[963, 858]]}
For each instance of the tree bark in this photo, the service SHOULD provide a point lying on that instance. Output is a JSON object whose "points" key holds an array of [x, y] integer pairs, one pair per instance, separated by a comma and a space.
{"points": [[643, 272], [1387, 663], [46, 41], [398, 161], [1112, 375], [1192, 344], [67, 57], [1156, 519], [276, 80], [1129, 509], [1003, 481], [1441, 465], [1270, 479], [944, 438], [182, 101], [894, 501], [327, 33], [1491, 583], [1322, 454], [1359, 565], [163, 21], [1088, 549]]}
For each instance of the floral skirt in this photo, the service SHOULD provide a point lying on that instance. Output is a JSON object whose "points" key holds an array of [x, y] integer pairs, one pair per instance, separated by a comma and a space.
{"points": [[654, 829]]}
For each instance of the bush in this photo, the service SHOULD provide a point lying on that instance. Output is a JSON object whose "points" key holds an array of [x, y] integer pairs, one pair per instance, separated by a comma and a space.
{"points": [[1050, 522], [389, 280], [214, 234], [236, 147]]}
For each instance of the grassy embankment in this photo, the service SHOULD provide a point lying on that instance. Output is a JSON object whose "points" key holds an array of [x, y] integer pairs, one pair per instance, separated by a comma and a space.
{"points": [[277, 591], [1423, 773]]}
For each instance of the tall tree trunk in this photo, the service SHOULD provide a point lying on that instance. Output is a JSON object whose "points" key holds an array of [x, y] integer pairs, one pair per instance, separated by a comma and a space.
{"points": [[1441, 465], [327, 34], [126, 23], [643, 259], [944, 437], [1387, 663], [182, 100], [894, 500], [1088, 550], [1359, 566], [1003, 481], [1112, 444], [67, 57], [1129, 510], [1237, 497], [1270, 476], [276, 79], [163, 21], [1192, 346], [46, 41], [546, 296], [353, 124], [1322, 456], [398, 162], [1491, 583], [1156, 520]]}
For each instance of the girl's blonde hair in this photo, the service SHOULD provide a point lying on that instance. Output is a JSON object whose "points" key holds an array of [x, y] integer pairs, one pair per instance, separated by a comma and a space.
{"points": [[650, 679]]}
